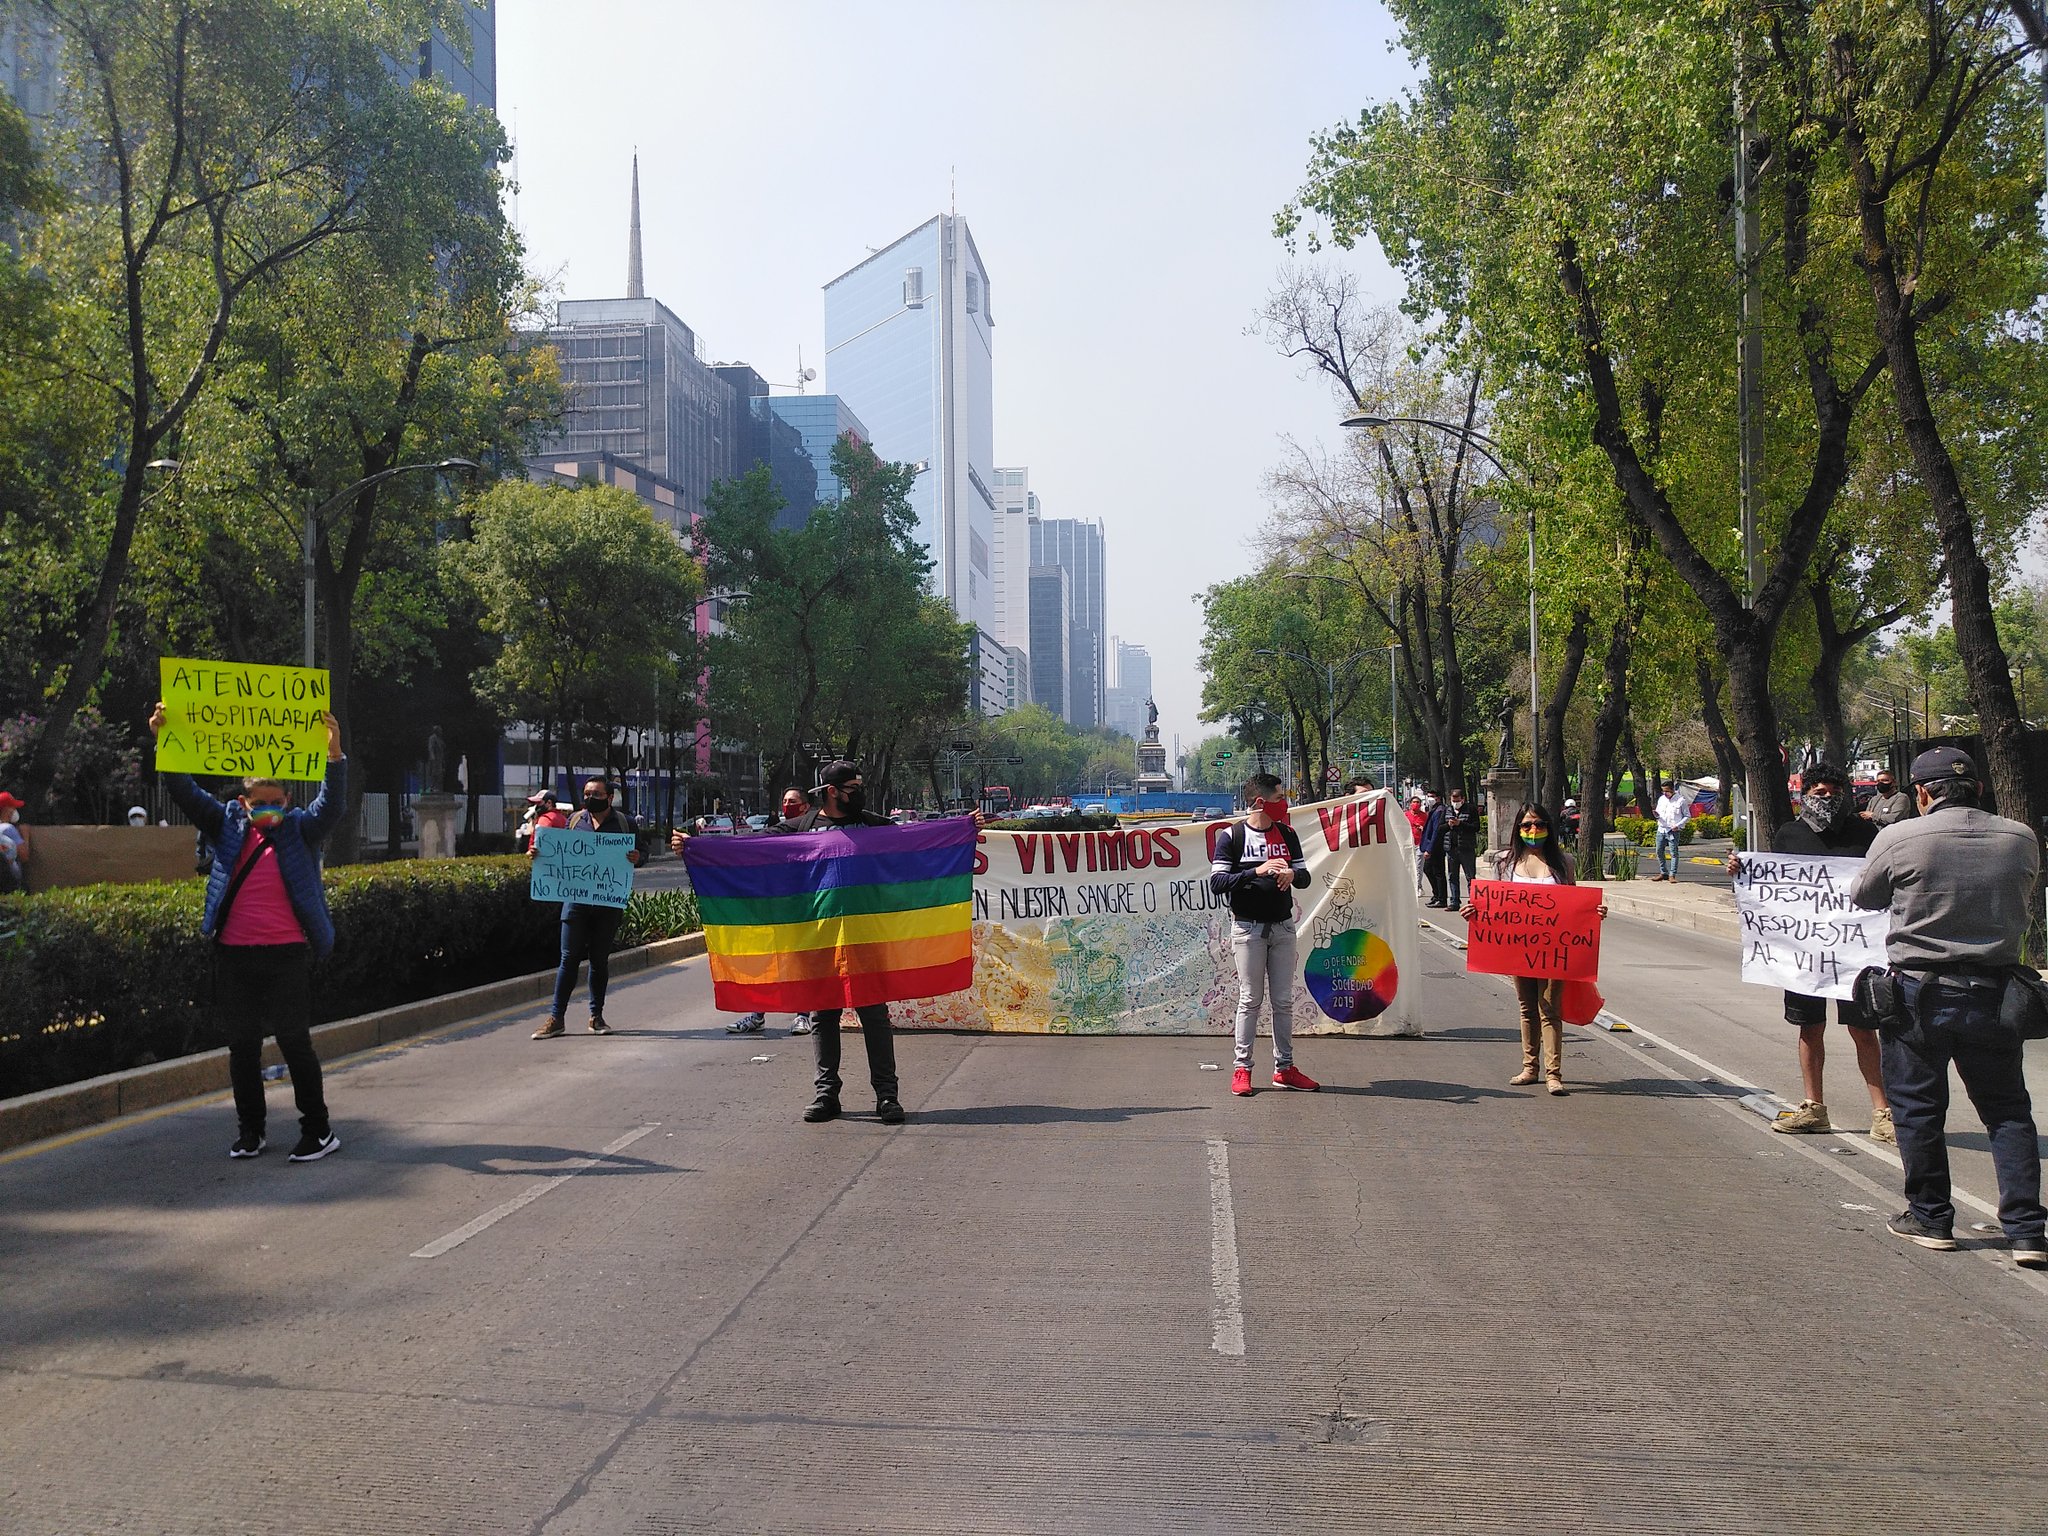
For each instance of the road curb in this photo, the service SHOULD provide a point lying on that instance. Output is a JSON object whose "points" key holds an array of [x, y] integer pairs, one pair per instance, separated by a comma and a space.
{"points": [[1721, 924], [74, 1106]]}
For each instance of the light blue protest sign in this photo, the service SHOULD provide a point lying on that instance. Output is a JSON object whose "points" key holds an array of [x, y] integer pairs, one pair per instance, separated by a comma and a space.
{"points": [[591, 868]]}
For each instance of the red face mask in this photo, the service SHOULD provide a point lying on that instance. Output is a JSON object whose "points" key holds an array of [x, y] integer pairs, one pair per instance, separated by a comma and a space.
{"points": [[1277, 809]]}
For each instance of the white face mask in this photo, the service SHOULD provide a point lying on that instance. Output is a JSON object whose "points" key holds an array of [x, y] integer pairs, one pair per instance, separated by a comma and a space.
{"points": [[12, 816]]}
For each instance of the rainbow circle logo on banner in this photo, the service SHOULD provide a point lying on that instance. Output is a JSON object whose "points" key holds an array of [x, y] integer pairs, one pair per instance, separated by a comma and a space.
{"points": [[1353, 977]]}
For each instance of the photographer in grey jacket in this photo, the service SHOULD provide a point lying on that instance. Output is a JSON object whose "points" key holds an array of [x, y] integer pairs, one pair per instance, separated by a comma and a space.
{"points": [[1960, 884]]}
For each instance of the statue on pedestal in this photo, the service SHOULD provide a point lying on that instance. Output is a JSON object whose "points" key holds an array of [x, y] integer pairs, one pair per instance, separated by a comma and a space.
{"points": [[437, 763], [1504, 720]]}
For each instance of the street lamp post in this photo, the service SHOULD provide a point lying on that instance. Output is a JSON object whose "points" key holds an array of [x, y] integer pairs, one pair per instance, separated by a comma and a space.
{"points": [[1393, 721], [1490, 450], [309, 542]]}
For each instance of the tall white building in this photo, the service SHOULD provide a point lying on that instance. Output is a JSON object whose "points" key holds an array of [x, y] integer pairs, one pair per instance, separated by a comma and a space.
{"points": [[1132, 670], [1010, 562], [909, 345]]}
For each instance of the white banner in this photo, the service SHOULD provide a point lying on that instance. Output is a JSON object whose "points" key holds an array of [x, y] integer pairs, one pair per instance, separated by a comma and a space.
{"points": [[1116, 932], [1800, 931]]}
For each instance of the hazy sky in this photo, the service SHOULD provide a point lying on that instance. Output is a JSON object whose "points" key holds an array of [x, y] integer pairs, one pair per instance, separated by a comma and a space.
{"points": [[1119, 161]]}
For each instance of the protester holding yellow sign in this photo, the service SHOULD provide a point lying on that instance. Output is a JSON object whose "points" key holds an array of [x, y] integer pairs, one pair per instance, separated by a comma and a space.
{"points": [[243, 719], [266, 912]]}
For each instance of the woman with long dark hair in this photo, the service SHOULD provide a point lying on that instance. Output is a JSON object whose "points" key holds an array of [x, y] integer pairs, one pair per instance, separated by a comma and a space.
{"points": [[1536, 857]]}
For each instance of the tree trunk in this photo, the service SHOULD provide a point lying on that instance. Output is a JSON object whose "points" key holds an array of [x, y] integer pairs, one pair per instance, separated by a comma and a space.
{"points": [[1727, 761], [1595, 803], [1631, 755], [1969, 580], [1559, 702]]}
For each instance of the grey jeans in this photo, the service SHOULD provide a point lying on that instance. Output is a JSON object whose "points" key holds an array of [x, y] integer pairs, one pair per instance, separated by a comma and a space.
{"points": [[1265, 967]]}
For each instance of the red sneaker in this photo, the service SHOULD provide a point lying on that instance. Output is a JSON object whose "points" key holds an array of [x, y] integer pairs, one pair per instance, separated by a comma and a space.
{"points": [[1292, 1077], [1241, 1082]]}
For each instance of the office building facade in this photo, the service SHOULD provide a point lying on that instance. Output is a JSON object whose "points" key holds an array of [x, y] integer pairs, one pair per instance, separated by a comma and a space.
{"points": [[1076, 545], [1010, 556], [820, 422], [1052, 627], [909, 345]]}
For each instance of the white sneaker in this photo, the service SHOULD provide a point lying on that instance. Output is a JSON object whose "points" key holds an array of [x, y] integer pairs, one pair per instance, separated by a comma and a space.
{"points": [[802, 1026]]}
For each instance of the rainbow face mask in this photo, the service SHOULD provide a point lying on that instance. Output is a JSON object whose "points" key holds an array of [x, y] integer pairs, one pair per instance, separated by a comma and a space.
{"points": [[265, 816]]}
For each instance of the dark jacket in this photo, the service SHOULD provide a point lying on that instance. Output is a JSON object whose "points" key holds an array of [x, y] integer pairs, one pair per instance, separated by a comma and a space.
{"points": [[814, 819], [1432, 840], [225, 824], [1849, 838], [1255, 898], [1460, 827]]}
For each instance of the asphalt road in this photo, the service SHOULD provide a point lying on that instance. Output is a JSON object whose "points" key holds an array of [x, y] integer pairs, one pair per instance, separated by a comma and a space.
{"points": [[1082, 1290]]}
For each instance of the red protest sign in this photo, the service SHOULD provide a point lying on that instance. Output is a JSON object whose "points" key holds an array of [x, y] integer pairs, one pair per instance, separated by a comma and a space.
{"points": [[1547, 931]]}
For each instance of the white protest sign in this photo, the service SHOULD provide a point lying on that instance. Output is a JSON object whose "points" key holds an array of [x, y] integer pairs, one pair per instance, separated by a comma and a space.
{"points": [[1800, 931]]}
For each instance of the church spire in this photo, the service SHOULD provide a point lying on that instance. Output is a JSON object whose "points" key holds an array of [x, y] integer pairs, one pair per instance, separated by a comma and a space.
{"points": [[636, 286]]}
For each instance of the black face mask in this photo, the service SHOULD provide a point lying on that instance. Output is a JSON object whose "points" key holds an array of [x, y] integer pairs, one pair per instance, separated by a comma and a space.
{"points": [[853, 801], [597, 805]]}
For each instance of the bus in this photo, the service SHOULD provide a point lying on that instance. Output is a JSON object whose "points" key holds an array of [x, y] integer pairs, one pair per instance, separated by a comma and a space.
{"points": [[995, 799]]}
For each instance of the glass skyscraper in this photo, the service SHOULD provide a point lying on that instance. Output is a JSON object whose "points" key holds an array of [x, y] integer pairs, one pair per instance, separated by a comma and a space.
{"points": [[1076, 544], [908, 345], [821, 420]]}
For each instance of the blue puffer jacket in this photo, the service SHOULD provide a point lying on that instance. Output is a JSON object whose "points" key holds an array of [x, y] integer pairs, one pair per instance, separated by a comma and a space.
{"points": [[226, 825]]}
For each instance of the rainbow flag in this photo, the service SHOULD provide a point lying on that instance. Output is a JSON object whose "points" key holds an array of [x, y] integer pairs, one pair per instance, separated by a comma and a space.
{"points": [[837, 919]]}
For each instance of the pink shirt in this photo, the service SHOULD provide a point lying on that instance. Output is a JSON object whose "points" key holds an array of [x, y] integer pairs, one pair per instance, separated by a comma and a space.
{"points": [[262, 912]]}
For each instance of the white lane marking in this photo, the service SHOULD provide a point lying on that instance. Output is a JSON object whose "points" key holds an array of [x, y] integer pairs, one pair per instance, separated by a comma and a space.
{"points": [[519, 1202], [1798, 1144], [1226, 1334]]}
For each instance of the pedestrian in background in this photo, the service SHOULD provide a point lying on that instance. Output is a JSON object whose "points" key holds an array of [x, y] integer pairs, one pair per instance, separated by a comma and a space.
{"points": [[13, 846], [1461, 845], [1536, 857], [1826, 824], [1888, 804], [1418, 818], [794, 803], [266, 912], [1672, 815], [1434, 847], [587, 930], [1960, 884], [1258, 866]]}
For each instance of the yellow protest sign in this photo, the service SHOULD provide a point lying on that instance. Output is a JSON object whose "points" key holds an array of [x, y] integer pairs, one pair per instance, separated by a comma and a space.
{"points": [[242, 718]]}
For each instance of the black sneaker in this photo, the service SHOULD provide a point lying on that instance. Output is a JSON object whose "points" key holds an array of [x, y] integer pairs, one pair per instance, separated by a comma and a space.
{"points": [[823, 1107], [889, 1112], [2030, 1251], [312, 1148], [1914, 1230], [248, 1144]]}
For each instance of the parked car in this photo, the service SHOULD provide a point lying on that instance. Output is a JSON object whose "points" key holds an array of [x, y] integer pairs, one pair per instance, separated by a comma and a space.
{"points": [[706, 825], [1098, 809], [1038, 813], [757, 823]]}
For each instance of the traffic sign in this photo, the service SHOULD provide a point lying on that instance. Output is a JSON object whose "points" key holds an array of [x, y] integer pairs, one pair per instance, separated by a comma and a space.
{"points": [[1330, 773], [1375, 747]]}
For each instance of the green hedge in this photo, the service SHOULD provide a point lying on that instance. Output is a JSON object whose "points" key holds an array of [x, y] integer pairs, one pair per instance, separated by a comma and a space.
{"points": [[99, 978], [1073, 821], [1642, 830]]}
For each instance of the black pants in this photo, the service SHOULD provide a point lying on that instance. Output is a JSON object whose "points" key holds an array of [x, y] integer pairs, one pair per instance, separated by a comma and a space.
{"points": [[1433, 872], [267, 989], [1463, 863], [875, 1031], [587, 933], [1955, 1019]]}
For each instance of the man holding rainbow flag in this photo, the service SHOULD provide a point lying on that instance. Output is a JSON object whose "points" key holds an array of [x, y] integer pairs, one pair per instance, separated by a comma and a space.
{"points": [[831, 915]]}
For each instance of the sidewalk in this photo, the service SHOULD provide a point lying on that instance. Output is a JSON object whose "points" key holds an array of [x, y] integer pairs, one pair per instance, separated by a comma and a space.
{"points": [[1702, 907]]}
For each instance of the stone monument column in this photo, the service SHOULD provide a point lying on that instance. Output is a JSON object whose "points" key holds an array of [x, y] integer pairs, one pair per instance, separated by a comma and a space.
{"points": [[1506, 790]]}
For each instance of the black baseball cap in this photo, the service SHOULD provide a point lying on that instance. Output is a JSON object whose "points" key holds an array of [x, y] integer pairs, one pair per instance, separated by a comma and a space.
{"points": [[839, 773], [1938, 763]]}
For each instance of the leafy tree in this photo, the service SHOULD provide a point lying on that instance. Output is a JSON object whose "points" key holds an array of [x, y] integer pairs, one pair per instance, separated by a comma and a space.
{"points": [[838, 647], [1556, 187], [587, 597], [216, 144]]}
